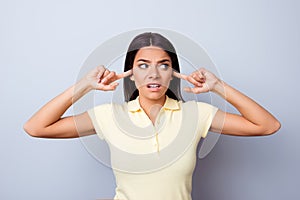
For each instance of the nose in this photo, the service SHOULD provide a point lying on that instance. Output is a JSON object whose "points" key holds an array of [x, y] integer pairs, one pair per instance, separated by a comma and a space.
{"points": [[153, 72]]}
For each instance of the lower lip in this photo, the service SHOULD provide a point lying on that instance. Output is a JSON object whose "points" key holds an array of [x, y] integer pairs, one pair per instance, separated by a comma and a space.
{"points": [[154, 89]]}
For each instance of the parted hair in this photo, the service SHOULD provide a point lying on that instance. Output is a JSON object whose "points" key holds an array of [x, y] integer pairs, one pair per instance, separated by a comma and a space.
{"points": [[145, 40]]}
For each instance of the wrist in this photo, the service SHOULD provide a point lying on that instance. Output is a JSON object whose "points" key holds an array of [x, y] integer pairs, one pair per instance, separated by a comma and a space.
{"points": [[84, 85], [81, 88], [219, 88]]}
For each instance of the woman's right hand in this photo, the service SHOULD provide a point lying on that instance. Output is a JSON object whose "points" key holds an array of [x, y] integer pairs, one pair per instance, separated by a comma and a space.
{"points": [[101, 78], [48, 121]]}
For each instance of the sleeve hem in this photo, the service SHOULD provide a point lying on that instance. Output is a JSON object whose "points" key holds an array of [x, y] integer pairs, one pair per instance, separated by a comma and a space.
{"points": [[92, 114], [206, 113], [210, 119]]}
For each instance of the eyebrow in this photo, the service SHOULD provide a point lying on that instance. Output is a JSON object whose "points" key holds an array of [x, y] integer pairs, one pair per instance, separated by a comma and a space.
{"points": [[148, 61]]}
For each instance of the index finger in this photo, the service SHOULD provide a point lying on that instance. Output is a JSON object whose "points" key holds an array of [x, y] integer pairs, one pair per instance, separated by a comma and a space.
{"points": [[181, 76], [124, 74]]}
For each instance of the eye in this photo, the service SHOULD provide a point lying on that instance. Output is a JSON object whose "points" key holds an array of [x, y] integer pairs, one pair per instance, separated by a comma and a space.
{"points": [[164, 66], [143, 66]]}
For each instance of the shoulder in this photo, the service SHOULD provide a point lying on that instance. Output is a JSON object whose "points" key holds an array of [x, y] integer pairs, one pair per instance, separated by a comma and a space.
{"points": [[206, 110], [106, 109], [106, 106], [200, 104], [202, 107]]}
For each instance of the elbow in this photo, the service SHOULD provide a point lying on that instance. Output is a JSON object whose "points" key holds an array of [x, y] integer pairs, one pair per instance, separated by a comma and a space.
{"points": [[273, 128], [31, 130], [277, 126]]}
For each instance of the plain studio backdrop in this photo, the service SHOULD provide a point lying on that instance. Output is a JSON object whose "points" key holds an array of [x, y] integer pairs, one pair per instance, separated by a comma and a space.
{"points": [[254, 44]]}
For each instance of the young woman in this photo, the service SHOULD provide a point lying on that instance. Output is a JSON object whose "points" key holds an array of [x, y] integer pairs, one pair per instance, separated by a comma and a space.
{"points": [[152, 92]]}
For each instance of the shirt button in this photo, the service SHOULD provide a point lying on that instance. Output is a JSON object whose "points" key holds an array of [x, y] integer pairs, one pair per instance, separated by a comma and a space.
{"points": [[154, 143]]}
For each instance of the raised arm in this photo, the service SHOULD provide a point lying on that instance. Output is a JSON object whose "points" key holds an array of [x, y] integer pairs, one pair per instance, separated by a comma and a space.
{"points": [[48, 121], [253, 119]]}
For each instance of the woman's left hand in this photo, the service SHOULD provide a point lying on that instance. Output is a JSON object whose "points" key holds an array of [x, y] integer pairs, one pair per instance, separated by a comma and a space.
{"points": [[253, 119], [202, 79]]}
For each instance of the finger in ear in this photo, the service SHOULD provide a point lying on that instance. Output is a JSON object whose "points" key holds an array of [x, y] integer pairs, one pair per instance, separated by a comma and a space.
{"points": [[131, 77]]}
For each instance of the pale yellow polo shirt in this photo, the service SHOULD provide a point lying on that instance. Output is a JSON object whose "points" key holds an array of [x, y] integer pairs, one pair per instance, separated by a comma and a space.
{"points": [[140, 161]]}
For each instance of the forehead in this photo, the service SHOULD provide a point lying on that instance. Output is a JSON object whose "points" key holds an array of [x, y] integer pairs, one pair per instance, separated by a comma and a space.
{"points": [[152, 53]]}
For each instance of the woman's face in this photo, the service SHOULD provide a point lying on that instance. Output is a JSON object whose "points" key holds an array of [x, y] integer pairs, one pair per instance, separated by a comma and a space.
{"points": [[152, 72]]}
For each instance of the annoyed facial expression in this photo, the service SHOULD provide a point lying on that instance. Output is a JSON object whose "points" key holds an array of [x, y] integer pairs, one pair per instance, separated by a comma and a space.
{"points": [[152, 72]]}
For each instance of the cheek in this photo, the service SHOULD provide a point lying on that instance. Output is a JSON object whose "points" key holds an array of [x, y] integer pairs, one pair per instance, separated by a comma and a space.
{"points": [[138, 74], [168, 76], [166, 79], [139, 77]]}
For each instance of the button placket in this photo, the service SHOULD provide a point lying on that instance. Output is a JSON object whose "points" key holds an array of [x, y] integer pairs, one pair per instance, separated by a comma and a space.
{"points": [[156, 128]]}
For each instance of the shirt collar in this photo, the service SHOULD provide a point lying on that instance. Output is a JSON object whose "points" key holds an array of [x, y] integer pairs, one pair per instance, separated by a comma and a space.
{"points": [[170, 104]]}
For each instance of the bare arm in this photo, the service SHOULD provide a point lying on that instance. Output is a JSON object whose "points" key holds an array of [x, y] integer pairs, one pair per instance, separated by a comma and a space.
{"points": [[253, 120], [48, 121]]}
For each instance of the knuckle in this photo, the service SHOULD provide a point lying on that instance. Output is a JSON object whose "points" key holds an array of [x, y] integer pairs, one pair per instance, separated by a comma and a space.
{"points": [[101, 67]]}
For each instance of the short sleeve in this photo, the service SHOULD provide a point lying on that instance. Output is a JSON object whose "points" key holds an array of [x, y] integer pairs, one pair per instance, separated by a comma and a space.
{"points": [[98, 117], [206, 113]]}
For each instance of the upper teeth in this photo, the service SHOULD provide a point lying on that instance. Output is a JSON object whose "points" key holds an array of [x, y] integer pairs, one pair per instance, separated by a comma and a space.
{"points": [[153, 86]]}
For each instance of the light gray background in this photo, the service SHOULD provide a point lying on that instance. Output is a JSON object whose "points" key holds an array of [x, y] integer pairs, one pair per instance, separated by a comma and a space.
{"points": [[255, 45]]}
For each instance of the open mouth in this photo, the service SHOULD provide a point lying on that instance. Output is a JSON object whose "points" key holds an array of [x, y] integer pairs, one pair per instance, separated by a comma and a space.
{"points": [[153, 85]]}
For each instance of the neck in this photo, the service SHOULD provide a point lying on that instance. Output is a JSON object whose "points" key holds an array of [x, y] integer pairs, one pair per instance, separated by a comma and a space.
{"points": [[148, 103], [152, 107]]}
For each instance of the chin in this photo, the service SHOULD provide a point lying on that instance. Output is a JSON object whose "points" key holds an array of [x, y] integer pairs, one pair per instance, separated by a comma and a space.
{"points": [[153, 95]]}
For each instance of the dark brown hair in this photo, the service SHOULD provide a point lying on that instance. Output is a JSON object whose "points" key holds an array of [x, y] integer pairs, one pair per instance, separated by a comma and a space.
{"points": [[145, 40]]}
